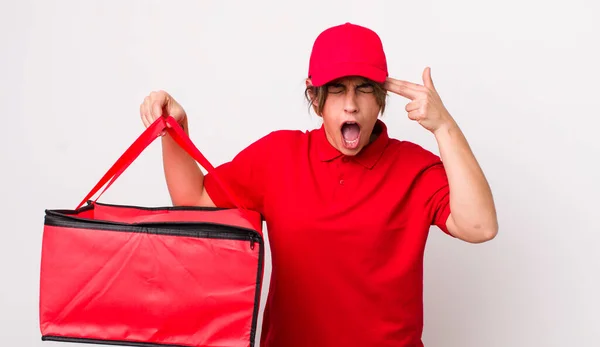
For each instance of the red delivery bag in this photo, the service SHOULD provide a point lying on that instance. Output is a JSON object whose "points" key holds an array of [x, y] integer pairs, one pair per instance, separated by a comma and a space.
{"points": [[151, 276]]}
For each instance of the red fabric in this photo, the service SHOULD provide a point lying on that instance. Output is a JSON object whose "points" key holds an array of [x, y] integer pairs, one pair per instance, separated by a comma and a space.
{"points": [[181, 276], [347, 50], [347, 235], [132, 214], [145, 139], [143, 287]]}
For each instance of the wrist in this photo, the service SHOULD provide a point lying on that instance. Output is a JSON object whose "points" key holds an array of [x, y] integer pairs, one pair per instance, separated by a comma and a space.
{"points": [[446, 127]]}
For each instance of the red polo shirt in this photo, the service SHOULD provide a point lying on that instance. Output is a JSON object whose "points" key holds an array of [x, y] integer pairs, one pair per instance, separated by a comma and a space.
{"points": [[347, 235]]}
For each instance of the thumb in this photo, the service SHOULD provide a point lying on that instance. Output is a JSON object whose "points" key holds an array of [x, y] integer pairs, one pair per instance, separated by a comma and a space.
{"points": [[427, 81]]}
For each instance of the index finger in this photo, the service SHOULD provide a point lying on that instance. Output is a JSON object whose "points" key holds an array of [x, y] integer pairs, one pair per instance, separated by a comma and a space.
{"points": [[404, 83], [402, 89], [157, 109]]}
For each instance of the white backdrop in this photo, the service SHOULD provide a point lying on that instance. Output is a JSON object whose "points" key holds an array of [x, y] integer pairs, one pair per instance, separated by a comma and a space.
{"points": [[520, 77]]}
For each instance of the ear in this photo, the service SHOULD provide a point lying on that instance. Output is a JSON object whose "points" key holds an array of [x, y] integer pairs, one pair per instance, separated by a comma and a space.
{"points": [[308, 82], [312, 96], [310, 93]]}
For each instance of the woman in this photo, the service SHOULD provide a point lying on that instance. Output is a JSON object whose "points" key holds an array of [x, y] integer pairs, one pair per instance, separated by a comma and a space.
{"points": [[347, 208]]}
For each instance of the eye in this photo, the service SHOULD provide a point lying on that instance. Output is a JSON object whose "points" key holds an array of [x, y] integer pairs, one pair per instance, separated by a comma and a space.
{"points": [[335, 88], [365, 88]]}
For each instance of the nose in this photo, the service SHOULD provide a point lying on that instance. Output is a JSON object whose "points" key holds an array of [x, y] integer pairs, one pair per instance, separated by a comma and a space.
{"points": [[350, 105]]}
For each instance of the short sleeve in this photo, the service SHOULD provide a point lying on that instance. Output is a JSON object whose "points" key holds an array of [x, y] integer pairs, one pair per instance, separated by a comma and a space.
{"points": [[245, 176], [430, 187], [435, 183]]}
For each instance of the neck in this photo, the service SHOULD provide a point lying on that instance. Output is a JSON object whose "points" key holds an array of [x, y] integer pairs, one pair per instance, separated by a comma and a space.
{"points": [[375, 133]]}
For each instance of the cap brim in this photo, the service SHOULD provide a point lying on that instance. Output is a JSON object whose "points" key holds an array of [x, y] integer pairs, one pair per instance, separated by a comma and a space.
{"points": [[330, 73]]}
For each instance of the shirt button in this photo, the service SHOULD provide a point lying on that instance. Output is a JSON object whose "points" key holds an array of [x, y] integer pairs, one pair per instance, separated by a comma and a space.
{"points": [[341, 182], [345, 159]]}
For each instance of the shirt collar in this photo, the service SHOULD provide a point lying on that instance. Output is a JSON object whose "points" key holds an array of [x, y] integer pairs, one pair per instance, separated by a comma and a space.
{"points": [[367, 157]]}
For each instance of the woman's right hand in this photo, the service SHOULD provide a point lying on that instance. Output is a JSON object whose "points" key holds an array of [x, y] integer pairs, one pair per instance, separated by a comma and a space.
{"points": [[158, 104]]}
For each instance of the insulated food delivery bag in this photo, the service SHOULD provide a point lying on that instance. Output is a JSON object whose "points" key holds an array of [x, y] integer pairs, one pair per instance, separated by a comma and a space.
{"points": [[151, 276]]}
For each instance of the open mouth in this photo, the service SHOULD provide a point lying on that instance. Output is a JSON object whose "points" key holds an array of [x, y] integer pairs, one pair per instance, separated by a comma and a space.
{"points": [[350, 134]]}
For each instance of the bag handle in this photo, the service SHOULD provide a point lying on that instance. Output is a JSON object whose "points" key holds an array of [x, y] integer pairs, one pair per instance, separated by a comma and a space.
{"points": [[151, 133]]}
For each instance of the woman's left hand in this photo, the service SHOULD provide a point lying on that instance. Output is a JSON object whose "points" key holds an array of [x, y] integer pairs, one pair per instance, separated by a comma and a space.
{"points": [[426, 106]]}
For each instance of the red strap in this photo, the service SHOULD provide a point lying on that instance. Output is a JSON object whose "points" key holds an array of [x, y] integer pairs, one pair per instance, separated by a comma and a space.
{"points": [[143, 141], [186, 143]]}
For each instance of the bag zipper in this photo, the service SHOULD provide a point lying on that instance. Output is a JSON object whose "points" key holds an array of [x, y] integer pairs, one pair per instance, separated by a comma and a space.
{"points": [[190, 229]]}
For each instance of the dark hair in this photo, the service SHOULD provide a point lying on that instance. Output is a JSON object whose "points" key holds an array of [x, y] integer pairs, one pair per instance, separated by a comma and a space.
{"points": [[318, 95]]}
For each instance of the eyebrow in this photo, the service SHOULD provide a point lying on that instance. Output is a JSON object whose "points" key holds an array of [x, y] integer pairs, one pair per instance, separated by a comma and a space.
{"points": [[362, 83]]}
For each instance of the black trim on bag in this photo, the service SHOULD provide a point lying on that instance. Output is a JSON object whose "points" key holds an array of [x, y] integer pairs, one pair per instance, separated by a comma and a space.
{"points": [[257, 294], [106, 342], [65, 218], [90, 206], [191, 229], [71, 214]]}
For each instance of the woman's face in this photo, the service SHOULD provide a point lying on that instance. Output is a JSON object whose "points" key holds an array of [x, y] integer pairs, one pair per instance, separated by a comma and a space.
{"points": [[350, 113]]}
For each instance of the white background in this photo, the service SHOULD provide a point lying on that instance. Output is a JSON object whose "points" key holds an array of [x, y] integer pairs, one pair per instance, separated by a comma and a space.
{"points": [[520, 77]]}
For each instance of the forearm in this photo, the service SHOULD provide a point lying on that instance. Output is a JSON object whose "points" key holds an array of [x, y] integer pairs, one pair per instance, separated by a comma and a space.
{"points": [[184, 177], [473, 214]]}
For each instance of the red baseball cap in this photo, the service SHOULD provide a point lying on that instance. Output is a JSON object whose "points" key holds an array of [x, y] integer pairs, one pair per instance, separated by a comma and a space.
{"points": [[347, 50]]}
